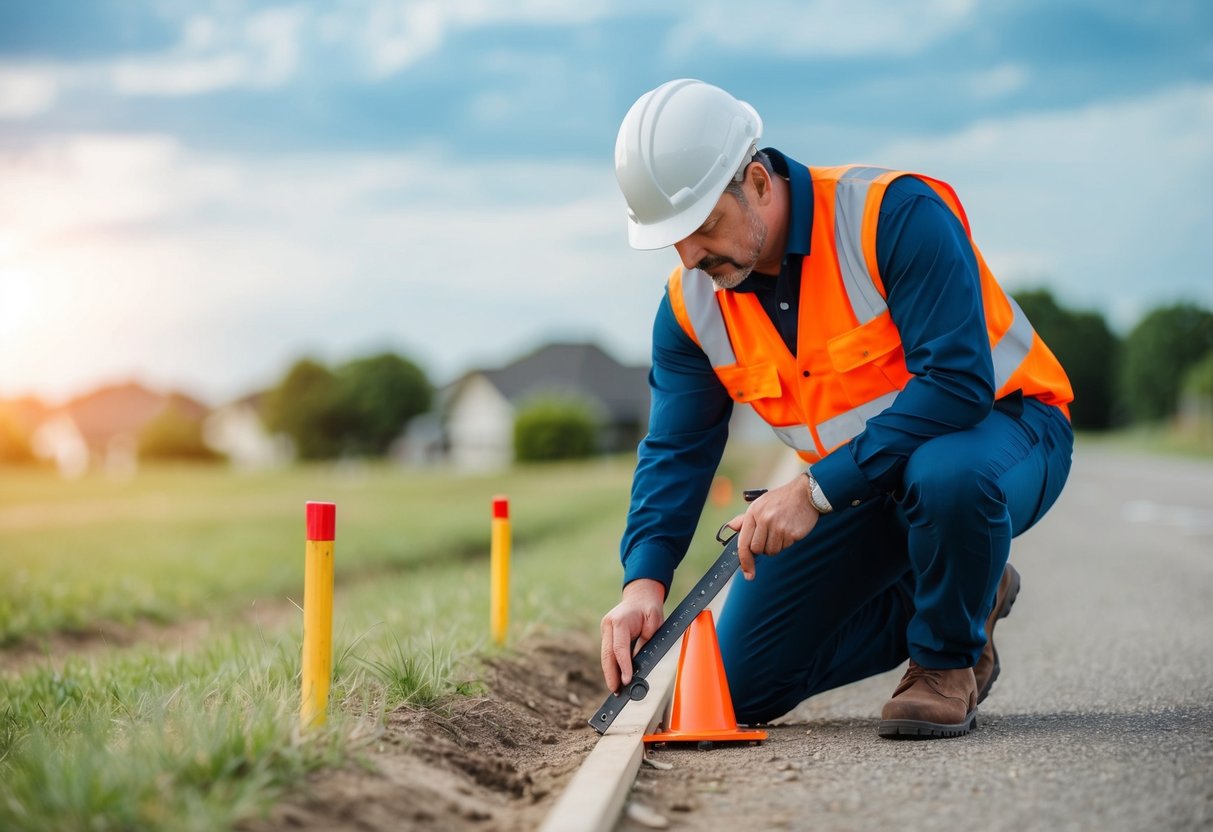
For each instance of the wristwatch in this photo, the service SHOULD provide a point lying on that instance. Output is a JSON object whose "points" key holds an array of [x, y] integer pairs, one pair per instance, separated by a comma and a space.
{"points": [[817, 495]]}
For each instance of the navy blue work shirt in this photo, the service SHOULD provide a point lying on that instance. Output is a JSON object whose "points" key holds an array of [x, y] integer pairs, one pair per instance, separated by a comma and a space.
{"points": [[934, 296]]}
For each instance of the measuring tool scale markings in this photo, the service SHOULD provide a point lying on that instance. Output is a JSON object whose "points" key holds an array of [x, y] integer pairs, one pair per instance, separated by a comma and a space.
{"points": [[667, 634]]}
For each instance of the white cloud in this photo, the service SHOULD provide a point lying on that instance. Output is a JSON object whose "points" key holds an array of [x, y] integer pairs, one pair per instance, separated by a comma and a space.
{"points": [[26, 91], [136, 255], [398, 36], [75, 184], [260, 52], [1109, 203], [221, 48], [392, 36], [999, 81], [171, 76], [214, 273], [820, 28]]}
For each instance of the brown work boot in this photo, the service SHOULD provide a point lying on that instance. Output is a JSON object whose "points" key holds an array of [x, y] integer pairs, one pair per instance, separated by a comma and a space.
{"points": [[931, 703], [988, 666]]}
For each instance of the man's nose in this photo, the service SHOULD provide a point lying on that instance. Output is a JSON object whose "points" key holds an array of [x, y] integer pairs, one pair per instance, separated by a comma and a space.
{"points": [[690, 252]]}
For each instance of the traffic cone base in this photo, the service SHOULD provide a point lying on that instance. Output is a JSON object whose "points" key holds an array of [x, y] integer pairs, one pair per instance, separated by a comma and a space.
{"points": [[702, 710], [736, 735]]}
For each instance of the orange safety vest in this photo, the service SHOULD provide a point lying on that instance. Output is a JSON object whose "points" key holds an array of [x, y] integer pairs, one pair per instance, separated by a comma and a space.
{"points": [[850, 364]]}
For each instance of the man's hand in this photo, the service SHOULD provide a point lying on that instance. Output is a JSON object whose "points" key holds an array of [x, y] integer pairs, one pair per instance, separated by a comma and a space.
{"points": [[636, 617], [774, 522]]}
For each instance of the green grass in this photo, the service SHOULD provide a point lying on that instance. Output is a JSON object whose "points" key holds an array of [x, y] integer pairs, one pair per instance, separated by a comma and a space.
{"points": [[182, 542], [197, 738], [151, 742], [1153, 439]]}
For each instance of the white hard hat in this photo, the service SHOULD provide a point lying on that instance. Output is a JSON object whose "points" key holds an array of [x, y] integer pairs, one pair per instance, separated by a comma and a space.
{"points": [[677, 150]]}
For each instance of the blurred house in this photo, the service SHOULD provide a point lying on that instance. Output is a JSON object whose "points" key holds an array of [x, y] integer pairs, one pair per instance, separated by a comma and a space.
{"points": [[424, 440], [237, 431], [480, 406], [57, 439], [101, 429]]}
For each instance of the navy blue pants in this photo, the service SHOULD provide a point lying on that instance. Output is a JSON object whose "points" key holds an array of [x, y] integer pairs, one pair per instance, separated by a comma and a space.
{"points": [[910, 574]]}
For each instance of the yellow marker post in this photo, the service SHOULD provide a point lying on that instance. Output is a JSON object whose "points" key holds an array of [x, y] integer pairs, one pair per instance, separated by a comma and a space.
{"points": [[499, 570], [318, 613]]}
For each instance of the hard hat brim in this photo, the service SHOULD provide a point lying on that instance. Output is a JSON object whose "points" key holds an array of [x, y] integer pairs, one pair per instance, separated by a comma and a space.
{"points": [[652, 236]]}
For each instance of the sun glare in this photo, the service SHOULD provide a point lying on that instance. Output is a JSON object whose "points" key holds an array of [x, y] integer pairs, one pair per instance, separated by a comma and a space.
{"points": [[16, 301]]}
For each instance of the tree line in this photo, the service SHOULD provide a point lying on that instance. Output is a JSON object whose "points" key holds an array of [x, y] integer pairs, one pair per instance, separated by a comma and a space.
{"points": [[1137, 379], [360, 407], [1118, 381]]}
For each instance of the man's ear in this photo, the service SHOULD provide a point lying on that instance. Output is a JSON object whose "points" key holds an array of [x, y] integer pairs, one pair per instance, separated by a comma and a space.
{"points": [[760, 180]]}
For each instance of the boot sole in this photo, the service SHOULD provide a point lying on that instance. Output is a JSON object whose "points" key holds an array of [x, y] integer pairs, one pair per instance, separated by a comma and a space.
{"points": [[916, 729], [1009, 601]]}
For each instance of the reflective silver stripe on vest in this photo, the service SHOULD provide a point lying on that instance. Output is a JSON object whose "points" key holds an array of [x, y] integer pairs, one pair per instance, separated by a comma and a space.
{"points": [[845, 426], [796, 437], [699, 295], [850, 196], [1013, 347], [865, 173]]}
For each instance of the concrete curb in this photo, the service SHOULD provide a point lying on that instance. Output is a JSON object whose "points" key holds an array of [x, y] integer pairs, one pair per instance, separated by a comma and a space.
{"points": [[594, 799]]}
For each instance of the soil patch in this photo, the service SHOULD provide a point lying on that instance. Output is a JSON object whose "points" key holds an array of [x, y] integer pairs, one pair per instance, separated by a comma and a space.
{"points": [[495, 761]]}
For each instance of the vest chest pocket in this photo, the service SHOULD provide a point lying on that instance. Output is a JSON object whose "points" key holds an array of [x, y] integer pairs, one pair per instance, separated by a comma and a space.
{"points": [[755, 381], [869, 360]]}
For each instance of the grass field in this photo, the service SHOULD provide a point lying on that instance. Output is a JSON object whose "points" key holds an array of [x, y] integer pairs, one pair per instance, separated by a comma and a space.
{"points": [[202, 732]]}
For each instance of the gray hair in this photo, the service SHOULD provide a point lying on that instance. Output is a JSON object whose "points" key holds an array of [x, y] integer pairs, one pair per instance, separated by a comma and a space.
{"points": [[734, 186]]}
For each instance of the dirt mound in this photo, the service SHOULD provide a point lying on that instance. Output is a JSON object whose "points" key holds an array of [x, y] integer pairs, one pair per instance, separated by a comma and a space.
{"points": [[494, 761]]}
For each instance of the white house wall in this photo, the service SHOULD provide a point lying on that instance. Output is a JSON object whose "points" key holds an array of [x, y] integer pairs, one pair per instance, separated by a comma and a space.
{"points": [[238, 432], [481, 427], [59, 439]]}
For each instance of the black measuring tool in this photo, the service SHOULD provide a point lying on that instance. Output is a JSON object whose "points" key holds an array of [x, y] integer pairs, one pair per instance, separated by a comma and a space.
{"points": [[672, 628]]}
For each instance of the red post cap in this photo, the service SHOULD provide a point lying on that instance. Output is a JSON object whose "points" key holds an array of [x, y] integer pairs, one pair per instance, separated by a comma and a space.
{"points": [[321, 521], [501, 508]]}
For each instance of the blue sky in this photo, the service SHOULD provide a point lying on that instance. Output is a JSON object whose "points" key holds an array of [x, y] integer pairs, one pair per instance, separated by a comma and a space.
{"points": [[193, 194]]}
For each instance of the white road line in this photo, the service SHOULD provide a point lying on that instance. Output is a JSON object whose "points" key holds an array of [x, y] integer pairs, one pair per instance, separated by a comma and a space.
{"points": [[1188, 519]]}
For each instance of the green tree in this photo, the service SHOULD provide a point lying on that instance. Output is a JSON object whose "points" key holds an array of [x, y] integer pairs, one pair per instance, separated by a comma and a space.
{"points": [[377, 397], [1196, 403], [359, 409], [1198, 381], [306, 407], [555, 427], [1157, 353], [174, 435], [1087, 349], [14, 444]]}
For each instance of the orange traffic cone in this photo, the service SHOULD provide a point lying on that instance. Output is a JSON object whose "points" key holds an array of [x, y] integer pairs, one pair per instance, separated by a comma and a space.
{"points": [[721, 492], [702, 710]]}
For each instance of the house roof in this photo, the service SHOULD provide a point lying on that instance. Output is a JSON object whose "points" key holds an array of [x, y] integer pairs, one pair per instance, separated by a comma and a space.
{"points": [[125, 409], [578, 369]]}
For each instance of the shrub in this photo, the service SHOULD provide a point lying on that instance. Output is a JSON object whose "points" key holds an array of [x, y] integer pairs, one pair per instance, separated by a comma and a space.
{"points": [[174, 435], [555, 427]]}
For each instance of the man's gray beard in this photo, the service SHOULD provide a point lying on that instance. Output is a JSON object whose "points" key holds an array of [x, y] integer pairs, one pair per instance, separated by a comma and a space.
{"points": [[759, 232], [733, 279]]}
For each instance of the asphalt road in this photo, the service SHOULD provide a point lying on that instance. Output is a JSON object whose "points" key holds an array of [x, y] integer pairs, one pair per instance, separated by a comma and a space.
{"points": [[1102, 718]]}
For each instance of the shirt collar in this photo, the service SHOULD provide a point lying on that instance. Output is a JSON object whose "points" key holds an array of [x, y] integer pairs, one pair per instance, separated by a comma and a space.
{"points": [[800, 192]]}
